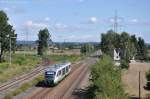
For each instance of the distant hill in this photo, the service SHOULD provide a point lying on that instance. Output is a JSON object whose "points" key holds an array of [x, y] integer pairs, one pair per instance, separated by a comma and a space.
{"points": [[26, 42], [60, 43], [148, 44]]}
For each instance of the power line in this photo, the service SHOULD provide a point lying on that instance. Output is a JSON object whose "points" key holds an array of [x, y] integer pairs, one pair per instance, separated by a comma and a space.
{"points": [[116, 25], [115, 22]]}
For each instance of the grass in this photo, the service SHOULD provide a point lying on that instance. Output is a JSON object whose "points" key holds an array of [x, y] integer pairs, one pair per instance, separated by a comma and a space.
{"points": [[21, 64], [23, 87], [62, 58], [106, 81], [149, 53]]}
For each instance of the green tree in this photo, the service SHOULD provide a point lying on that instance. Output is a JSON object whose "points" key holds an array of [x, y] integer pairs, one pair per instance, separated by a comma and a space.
{"points": [[123, 42], [142, 50], [109, 42], [6, 32], [43, 41], [87, 48], [125, 45]]}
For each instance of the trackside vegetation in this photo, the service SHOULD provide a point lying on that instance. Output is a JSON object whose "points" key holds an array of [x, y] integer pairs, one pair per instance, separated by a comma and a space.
{"points": [[22, 64], [106, 81], [24, 87]]}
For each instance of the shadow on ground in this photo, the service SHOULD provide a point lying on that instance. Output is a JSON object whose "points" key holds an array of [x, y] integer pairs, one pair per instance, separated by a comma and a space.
{"points": [[80, 93], [43, 84]]}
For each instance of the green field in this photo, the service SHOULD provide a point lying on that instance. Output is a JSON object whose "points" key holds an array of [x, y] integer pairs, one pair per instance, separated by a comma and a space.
{"points": [[22, 64]]}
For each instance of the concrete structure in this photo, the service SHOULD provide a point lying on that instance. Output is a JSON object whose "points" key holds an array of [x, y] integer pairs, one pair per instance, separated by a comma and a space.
{"points": [[116, 55]]}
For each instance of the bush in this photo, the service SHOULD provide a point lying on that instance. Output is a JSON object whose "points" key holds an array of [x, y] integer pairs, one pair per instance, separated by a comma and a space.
{"points": [[124, 64], [106, 81], [21, 60], [3, 66]]}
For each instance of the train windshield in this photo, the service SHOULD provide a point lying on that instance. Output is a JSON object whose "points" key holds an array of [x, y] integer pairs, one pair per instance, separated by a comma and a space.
{"points": [[50, 74]]}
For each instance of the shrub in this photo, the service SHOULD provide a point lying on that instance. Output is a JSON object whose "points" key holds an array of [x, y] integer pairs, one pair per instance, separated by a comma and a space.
{"points": [[106, 81], [3, 66], [124, 64], [21, 60], [24, 87]]}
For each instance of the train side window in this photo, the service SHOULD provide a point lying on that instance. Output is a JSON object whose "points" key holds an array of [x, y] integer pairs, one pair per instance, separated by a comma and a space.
{"points": [[59, 72], [67, 68], [63, 71]]}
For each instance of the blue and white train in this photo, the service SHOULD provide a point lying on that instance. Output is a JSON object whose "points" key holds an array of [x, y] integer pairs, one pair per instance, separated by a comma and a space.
{"points": [[55, 73]]}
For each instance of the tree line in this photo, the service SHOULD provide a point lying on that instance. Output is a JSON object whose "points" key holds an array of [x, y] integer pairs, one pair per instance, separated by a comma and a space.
{"points": [[129, 46], [7, 33]]}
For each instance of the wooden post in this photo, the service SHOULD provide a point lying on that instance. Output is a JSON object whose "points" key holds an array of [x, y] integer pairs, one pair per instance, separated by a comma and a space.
{"points": [[139, 86]]}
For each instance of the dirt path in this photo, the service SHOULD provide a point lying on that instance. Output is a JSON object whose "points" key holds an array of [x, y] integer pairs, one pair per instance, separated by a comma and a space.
{"points": [[130, 79]]}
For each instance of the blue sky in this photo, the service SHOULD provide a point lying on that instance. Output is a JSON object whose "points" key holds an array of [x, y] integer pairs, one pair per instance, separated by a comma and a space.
{"points": [[77, 20]]}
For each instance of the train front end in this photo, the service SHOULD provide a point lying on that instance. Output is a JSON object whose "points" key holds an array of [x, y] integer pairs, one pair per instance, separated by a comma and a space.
{"points": [[50, 77]]}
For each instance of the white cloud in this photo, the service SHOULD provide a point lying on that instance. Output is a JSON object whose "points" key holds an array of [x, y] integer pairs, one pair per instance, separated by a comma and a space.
{"points": [[14, 9], [6, 9], [85, 38], [112, 20], [59, 27], [47, 19], [78, 38], [93, 20], [134, 21], [31, 24], [14, 1], [137, 22], [78, 1], [81, 0]]}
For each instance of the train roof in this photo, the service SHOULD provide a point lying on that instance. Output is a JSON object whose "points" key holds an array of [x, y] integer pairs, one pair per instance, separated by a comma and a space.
{"points": [[56, 67]]}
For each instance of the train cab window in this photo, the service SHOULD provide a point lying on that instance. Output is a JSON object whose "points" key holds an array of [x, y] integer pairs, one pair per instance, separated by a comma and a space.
{"points": [[50, 74], [57, 74]]}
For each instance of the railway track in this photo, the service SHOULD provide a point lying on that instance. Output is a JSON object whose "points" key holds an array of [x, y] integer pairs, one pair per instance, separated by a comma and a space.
{"points": [[42, 92], [66, 87], [67, 94], [21, 79]]}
